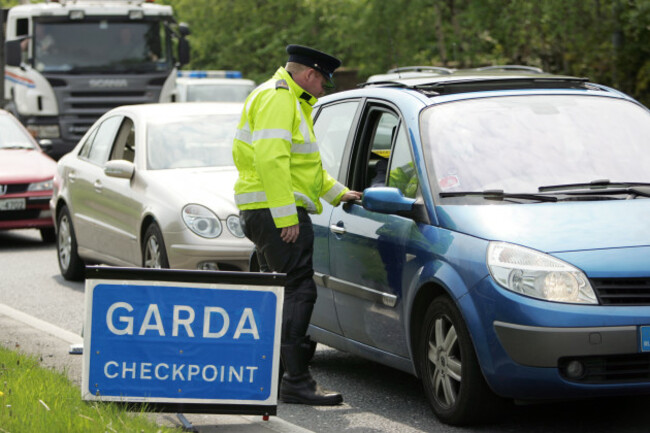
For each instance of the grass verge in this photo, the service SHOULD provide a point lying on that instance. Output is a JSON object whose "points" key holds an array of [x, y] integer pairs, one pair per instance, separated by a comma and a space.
{"points": [[36, 399]]}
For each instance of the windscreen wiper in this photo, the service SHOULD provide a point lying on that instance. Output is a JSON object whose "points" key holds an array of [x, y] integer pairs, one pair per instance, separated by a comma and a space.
{"points": [[598, 184], [498, 194]]}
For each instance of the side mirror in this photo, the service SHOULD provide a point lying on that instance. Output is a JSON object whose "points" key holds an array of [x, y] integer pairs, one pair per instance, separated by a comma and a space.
{"points": [[119, 168], [386, 200], [13, 52], [184, 29], [46, 144], [183, 51]]}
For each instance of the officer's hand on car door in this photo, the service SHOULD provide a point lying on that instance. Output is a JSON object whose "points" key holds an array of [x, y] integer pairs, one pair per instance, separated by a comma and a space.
{"points": [[352, 195]]}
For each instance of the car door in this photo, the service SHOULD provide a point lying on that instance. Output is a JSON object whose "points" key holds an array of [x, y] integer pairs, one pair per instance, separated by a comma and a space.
{"points": [[334, 128], [123, 205], [368, 250], [85, 187]]}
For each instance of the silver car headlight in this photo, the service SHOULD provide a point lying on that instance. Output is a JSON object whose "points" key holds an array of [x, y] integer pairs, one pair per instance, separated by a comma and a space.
{"points": [[533, 273], [201, 220], [46, 185], [234, 226]]}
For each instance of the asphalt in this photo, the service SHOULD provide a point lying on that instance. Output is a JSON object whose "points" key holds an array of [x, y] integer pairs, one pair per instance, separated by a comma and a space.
{"points": [[51, 345]]}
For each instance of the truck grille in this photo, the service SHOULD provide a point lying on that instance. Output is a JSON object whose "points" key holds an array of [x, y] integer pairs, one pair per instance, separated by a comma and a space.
{"points": [[84, 99], [622, 291]]}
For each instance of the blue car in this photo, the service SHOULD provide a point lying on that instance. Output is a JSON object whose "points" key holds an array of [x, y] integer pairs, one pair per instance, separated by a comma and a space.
{"points": [[502, 247]]}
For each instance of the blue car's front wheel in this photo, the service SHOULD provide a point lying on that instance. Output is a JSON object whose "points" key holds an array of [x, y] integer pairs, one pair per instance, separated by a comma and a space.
{"points": [[452, 378]]}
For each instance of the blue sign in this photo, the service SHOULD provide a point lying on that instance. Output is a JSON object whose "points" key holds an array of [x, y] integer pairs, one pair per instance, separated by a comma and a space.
{"points": [[177, 342], [645, 338]]}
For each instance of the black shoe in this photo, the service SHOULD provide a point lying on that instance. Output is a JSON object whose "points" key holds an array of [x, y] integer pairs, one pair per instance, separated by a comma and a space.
{"points": [[305, 390]]}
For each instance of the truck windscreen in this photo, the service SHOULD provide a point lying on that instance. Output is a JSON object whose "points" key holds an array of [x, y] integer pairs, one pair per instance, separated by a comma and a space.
{"points": [[101, 47]]}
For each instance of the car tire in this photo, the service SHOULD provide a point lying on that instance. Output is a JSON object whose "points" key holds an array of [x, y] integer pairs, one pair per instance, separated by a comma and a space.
{"points": [[71, 265], [154, 254], [48, 234], [449, 370]]}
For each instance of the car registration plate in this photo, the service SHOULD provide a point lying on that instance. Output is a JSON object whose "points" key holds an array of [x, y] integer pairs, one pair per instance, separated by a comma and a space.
{"points": [[12, 204], [644, 332]]}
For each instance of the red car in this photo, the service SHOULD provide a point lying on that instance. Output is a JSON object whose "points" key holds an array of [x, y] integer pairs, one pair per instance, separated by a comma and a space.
{"points": [[26, 174]]}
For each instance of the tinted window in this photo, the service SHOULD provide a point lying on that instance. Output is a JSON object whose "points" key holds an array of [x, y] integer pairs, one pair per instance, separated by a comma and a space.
{"points": [[103, 141], [332, 128]]}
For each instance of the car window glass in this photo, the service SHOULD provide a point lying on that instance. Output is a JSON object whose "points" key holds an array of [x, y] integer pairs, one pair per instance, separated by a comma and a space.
{"points": [[13, 134], [125, 142], [191, 141], [85, 148], [332, 128], [104, 139], [382, 137], [402, 174]]}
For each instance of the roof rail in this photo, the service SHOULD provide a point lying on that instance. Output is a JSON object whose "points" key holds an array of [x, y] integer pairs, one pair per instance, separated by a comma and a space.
{"points": [[438, 69], [511, 68], [65, 2]]}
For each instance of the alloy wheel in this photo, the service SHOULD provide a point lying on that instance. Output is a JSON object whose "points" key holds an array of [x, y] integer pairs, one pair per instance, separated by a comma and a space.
{"points": [[444, 355]]}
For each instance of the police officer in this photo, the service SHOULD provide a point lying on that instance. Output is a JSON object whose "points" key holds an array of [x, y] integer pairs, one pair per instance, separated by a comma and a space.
{"points": [[281, 180]]}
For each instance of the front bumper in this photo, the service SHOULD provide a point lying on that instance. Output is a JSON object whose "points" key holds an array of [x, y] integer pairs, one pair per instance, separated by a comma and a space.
{"points": [[529, 349], [224, 255], [36, 214], [536, 346]]}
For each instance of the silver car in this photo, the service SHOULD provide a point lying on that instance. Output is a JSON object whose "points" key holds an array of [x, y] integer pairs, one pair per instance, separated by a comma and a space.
{"points": [[152, 186]]}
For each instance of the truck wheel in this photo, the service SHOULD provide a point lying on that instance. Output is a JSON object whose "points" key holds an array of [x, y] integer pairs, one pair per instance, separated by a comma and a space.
{"points": [[71, 266], [449, 370], [154, 254]]}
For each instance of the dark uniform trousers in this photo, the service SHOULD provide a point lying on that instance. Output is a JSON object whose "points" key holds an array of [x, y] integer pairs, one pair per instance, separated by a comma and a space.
{"points": [[293, 259]]}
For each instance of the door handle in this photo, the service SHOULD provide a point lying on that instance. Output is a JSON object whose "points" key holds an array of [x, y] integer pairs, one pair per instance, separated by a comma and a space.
{"points": [[72, 177], [339, 230], [98, 186]]}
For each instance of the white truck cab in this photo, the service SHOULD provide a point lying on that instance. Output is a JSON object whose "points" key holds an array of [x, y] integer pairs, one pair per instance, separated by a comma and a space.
{"points": [[69, 62]]}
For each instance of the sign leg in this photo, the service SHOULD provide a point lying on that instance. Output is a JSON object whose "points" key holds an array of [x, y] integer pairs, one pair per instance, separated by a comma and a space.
{"points": [[187, 426]]}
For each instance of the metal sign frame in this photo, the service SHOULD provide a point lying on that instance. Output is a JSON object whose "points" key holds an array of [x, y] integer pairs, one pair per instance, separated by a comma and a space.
{"points": [[119, 332]]}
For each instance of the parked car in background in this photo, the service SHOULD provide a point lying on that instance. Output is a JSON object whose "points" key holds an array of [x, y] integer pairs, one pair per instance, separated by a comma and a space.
{"points": [[151, 185], [213, 86], [26, 174], [506, 256]]}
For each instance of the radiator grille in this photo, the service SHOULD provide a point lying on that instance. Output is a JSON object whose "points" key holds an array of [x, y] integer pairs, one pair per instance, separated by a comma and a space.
{"points": [[622, 291], [15, 188]]}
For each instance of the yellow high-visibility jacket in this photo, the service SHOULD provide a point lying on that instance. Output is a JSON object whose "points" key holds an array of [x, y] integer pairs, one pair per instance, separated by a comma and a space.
{"points": [[276, 153]]}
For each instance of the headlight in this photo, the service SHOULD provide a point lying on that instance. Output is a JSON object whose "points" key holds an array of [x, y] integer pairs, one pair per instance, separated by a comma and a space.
{"points": [[201, 221], [532, 273], [46, 185], [44, 131], [234, 226]]}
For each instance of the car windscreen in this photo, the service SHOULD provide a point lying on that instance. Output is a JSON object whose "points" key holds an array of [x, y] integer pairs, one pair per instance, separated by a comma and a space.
{"points": [[518, 143], [13, 136], [191, 141], [218, 92], [101, 46]]}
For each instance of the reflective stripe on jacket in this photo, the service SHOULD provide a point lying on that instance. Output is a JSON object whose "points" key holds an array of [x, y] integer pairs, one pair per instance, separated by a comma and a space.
{"points": [[277, 155]]}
